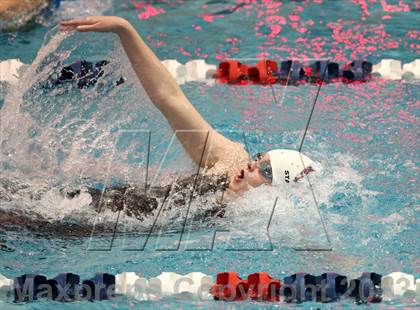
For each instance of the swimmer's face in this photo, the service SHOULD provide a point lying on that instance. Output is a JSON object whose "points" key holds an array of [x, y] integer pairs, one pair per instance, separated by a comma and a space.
{"points": [[252, 175]]}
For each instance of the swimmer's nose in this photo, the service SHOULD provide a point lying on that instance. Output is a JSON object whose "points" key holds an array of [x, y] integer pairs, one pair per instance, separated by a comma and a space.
{"points": [[240, 176], [252, 166]]}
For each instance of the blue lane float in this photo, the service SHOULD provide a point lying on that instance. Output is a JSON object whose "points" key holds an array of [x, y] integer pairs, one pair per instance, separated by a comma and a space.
{"points": [[28, 287], [324, 70], [357, 71], [331, 287], [290, 72], [100, 287], [67, 285], [366, 288], [298, 288]]}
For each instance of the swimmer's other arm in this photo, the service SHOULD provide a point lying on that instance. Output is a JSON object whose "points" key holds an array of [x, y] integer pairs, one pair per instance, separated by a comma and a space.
{"points": [[191, 128]]}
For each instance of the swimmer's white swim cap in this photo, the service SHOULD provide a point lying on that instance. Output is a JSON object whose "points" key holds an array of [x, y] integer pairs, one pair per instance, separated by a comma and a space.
{"points": [[287, 165]]}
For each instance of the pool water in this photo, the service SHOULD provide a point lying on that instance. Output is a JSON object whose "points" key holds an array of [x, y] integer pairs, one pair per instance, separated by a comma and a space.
{"points": [[363, 135]]}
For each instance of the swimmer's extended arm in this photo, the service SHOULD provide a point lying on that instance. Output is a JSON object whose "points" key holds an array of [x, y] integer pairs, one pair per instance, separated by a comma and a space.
{"points": [[191, 128]]}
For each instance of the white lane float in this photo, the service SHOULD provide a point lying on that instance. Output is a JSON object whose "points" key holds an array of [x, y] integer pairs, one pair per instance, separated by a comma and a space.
{"points": [[176, 69], [198, 70], [195, 285], [5, 287], [133, 286], [396, 284], [194, 70], [411, 70], [389, 69]]}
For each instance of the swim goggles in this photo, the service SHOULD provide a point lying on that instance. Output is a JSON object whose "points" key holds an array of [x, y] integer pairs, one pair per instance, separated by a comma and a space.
{"points": [[264, 168]]}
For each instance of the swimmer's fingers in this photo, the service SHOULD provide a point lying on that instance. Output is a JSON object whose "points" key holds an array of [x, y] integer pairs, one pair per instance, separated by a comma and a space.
{"points": [[79, 22], [74, 24], [95, 23], [87, 28]]}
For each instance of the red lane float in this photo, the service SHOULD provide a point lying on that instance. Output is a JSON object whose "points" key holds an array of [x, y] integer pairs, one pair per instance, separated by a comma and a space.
{"points": [[235, 72], [230, 287], [263, 287], [263, 72], [259, 286], [232, 72]]}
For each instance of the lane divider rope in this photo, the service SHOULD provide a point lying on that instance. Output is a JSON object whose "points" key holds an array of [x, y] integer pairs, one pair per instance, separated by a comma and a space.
{"points": [[228, 286], [265, 72]]}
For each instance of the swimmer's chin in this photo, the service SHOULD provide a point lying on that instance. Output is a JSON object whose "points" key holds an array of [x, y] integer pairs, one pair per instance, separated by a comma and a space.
{"points": [[230, 195]]}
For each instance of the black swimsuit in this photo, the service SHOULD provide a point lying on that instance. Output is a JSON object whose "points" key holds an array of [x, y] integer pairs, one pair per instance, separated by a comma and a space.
{"points": [[139, 203], [135, 202]]}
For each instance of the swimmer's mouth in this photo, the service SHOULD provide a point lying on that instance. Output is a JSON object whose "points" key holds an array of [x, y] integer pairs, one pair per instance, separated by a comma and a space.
{"points": [[239, 177]]}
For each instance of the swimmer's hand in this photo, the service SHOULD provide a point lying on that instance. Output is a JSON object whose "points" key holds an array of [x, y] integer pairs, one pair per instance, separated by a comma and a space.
{"points": [[96, 24]]}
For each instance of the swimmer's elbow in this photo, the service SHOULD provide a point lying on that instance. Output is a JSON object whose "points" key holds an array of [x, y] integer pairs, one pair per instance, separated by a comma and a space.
{"points": [[166, 97]]}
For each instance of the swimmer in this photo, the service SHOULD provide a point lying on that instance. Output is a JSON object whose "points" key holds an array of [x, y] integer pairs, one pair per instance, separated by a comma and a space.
{"points": [[208, 148], [229, 170]]}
